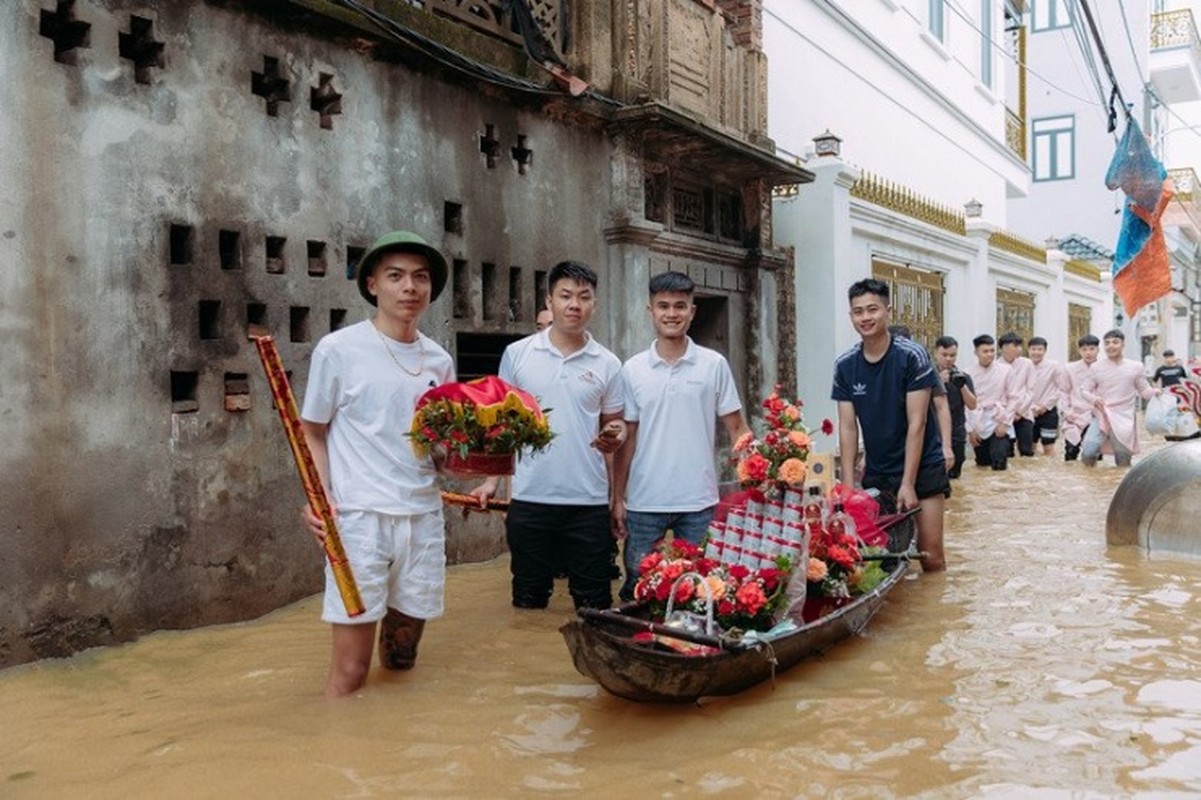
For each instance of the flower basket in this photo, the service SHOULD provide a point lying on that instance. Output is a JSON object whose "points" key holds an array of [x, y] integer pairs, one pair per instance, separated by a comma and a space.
{"points": [[481, 426], [480, 463]]}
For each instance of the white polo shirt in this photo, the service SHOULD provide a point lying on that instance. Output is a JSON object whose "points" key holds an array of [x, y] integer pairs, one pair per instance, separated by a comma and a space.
{"points": [[676, 407], [577, 389], [357, 388]]}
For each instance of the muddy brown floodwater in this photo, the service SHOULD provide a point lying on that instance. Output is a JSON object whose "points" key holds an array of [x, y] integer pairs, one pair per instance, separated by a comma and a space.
{"points": [[1043, 664]]}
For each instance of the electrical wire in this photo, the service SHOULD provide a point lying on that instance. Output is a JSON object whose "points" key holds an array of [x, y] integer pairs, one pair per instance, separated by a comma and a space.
{"points": [[1008, 54], [457, 61], [882, 92], [1087, 54]]}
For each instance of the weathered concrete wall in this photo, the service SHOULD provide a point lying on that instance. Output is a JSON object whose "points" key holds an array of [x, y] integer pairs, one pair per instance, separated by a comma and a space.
{"points": [[130, 500]]}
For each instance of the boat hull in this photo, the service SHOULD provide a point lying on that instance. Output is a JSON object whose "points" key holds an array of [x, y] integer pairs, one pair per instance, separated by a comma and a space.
{"points": [[605, 652]]}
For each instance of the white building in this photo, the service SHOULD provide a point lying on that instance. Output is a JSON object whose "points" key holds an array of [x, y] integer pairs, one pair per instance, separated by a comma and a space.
{"points": [[1154, 52], [925, 97]]}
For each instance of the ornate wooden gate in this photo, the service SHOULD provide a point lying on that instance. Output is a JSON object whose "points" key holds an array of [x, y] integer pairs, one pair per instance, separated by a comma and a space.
{"points": [[1015, 312], [917, 299], [1080, 323]]}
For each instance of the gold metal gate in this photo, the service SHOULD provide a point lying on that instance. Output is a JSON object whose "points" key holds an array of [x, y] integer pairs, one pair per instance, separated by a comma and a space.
{"points": [[1015, 312], [1080, 323], [917, 300]]}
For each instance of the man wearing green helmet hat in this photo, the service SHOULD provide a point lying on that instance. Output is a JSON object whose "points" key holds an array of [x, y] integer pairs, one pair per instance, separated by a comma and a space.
{"points": [[363, 385]]}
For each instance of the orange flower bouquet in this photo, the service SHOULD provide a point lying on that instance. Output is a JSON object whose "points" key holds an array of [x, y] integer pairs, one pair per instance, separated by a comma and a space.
{"points": [[480, 426], [779, 458]]}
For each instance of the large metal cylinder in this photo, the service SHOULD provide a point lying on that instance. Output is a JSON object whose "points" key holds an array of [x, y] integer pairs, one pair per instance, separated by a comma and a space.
{"points": [[1158, 504]]}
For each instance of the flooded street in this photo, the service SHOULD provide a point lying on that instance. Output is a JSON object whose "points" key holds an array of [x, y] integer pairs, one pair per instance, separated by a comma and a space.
{"points": [[1042, 664]]}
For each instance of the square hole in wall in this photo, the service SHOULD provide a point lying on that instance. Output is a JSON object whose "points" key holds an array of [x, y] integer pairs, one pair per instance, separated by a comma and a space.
{"points": [[298, 323], [256, 320], [461, 278], [492, 300], [229, 249], [275, 254], [210, 319], [353, 256], [452, 217], [540, 290], [515, 294], [237, 391], [181, 244], [337, 319], [183, 392], [316, 258]]}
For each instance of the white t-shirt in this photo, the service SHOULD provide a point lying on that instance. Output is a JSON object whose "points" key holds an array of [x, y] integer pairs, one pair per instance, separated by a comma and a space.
{"points": [[676, 407], [577, 389], [357, 389]]}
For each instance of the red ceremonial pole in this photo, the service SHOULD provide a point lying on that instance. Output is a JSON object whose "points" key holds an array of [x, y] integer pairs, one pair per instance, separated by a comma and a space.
{"points": [[285, 403]]}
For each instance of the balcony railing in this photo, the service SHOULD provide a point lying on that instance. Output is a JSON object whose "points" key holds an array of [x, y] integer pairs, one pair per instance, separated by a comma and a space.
{"points": [[1015, 133], [1174, 29], [493, 18], [1184, 183]]}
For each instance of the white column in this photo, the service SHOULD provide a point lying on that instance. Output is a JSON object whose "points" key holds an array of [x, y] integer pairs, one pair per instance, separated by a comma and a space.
{"points": [[1051, 322], [817, 222]]}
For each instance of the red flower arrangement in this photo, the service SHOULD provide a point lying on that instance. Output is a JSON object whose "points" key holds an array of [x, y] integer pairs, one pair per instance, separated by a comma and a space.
{"points": [[482, 417], [778, 459], [742, 598]]}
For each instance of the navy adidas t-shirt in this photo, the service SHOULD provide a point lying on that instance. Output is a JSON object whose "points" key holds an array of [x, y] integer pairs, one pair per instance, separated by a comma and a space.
{"points": [[878, 393]]}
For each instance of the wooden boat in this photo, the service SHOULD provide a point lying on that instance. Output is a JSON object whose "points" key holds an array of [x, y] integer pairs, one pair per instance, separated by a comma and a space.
{"points": [[602, 648]]}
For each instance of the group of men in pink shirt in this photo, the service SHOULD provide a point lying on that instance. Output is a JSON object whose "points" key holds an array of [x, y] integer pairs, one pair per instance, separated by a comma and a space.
{"points": [[1023, 402]]}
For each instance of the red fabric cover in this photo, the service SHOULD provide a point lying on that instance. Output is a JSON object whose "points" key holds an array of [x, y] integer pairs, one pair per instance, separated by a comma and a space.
{"points": [[487, 391]]}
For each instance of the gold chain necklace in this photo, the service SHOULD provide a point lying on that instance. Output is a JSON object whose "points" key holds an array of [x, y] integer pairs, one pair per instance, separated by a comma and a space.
{"points": [[421, 354]]}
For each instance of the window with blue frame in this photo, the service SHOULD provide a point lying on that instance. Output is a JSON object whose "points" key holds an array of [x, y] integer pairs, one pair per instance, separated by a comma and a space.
{"points": [[1050, 15], [938, 20], [1054, 148], [986, 54]]}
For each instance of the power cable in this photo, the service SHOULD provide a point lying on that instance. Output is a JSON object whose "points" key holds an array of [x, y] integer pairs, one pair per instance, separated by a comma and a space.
{"points": [[455, 60], [1004, 50], [889, 96], [1116, 91]]}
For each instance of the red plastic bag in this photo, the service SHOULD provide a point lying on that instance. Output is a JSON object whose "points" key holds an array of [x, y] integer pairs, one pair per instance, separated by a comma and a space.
{"points": [[863, 510]]}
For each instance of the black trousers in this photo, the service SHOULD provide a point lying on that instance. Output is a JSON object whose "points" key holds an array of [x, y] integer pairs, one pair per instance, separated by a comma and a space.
{"points": [[1072, 451], [544, 537], [993, 452], [959, 448], [1024, 430]]}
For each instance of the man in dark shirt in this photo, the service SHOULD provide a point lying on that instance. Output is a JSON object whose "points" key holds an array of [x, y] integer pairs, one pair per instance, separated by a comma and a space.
{"points": [[883, 383], [961, 395], [1171, 372]]}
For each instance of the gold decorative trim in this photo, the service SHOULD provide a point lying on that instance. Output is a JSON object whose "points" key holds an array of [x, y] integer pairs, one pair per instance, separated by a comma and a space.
{"points": [[1174, 29], [1011, 243], [903, 200], [1084, 269]]}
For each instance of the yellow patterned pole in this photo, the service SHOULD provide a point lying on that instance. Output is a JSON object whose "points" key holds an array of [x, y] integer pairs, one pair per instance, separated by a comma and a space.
{"points": [[285, 403]]}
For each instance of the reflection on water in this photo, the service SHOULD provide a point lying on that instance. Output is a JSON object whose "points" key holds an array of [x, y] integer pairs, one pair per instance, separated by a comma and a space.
{"points": [[1041, 665]]}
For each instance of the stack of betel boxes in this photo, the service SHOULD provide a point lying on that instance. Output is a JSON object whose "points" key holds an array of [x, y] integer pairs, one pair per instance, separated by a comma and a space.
{"points": [[755, 534]]}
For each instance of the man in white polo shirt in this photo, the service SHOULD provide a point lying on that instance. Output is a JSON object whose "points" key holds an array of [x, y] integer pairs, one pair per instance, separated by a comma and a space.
{"points": [[560, 512], [675, 391]]}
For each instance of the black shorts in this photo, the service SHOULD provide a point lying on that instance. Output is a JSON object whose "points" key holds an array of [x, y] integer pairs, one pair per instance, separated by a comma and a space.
{"points": [[931, 480], [1046, 426]]}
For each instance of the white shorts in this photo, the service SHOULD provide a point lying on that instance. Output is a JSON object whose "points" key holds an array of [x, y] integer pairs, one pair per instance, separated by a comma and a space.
{"points": [[398, 562]]}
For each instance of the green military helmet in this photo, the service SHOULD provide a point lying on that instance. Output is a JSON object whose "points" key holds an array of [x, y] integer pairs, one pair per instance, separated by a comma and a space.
{"points": [[402, 242]]}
